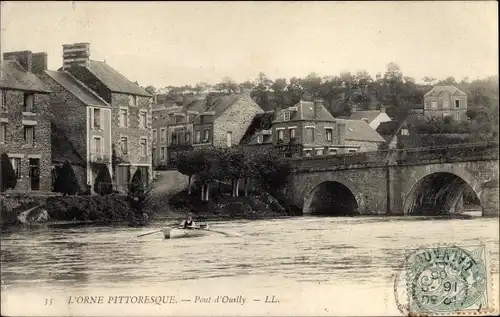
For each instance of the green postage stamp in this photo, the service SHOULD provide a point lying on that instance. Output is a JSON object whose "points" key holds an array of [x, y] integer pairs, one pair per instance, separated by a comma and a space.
{"points": [[447, 280]]}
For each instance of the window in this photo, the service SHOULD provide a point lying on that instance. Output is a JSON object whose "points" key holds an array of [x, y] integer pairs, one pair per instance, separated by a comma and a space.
{"points": [[266, 138], [434, 104], [352, 151], [97, 119], [98, 145], [132, 100], [281, 135], [179, 119], [310, 135], [457, 103], [3, 100], [29, 102], [197, 136], [143, 120], [332, 151], [165, 152], [292, 133], [16, 165], [123, 118], [229, 138], [259, 138], [144, 146], [446, 104], [307, 152], [153, 152], [124, 144], [154, 136], [29, 134], [286, 116], [162, 153], [188, 137], [329, 135], [206, 134], [3, 133], [163, 135], [174, 138], [319, 151], [457, 116], [404, 132]]}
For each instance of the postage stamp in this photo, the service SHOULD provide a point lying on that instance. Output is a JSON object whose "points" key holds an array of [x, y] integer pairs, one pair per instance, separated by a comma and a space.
{"points": [[445, 280]]}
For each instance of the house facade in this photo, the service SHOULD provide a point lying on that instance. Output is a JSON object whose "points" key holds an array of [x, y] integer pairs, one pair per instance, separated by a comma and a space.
{"points": [[162, 118], [445, 101], [219, 121], [81, 127], [25, 120], [373, 117], [131, 144]]}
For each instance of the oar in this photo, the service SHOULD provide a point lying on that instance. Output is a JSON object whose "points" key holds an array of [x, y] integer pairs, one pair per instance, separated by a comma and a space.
{"points": [[227, 234], [146, 234]]}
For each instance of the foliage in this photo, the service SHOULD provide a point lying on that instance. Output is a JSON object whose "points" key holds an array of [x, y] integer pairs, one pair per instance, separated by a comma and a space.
{"points": [[9, 179], [138, 193], [103, 184], [66, 181]]}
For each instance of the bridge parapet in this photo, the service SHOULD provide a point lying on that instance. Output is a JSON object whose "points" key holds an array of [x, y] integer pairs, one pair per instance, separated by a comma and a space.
{"points": [[448, 154]]}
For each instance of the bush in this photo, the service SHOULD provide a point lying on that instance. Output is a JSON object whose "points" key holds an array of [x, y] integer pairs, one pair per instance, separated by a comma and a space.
{"points": [[66, 181], [103, 184], [9, 179]]}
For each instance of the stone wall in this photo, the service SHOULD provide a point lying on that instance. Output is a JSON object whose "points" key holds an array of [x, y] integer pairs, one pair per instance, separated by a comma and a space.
{"points": [[16, 146]]}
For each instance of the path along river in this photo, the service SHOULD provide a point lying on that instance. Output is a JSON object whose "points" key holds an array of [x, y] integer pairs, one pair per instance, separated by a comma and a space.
{"points": [[320, 266]]}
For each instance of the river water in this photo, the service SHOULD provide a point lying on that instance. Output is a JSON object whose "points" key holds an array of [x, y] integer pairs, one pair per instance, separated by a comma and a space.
{"points": [[311, 265]]}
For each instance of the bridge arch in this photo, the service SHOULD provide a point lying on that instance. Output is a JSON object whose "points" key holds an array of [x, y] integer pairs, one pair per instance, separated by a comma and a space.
{"points": [[333, 195], [439, 190]]}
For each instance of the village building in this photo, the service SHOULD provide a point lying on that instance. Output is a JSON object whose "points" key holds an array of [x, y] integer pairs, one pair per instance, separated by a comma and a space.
{"points": [[445, 101], [130, 112], [25, 120], [373, 117]]}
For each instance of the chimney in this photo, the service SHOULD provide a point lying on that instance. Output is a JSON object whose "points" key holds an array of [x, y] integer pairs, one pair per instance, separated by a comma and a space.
{"points": [[318, 104], [24, 58], [76, 54], [341, 126], [39, 63]]}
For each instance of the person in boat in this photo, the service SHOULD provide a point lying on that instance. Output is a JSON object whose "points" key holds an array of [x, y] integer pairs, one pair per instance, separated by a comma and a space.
{"points": [[188, 223]]}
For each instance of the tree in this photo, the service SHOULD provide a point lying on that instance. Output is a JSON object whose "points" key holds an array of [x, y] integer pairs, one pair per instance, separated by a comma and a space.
{"points": [[311, 84], [272, 172], [8, 178], [260, 93], [103, 184], [66, 181], [150, 90], [227, 85], [186, 164], [138, 195]]}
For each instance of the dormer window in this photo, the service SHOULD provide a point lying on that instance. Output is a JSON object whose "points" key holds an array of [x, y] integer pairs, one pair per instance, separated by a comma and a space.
{"points": [[286, 116], [179, 119], [132, 100]]}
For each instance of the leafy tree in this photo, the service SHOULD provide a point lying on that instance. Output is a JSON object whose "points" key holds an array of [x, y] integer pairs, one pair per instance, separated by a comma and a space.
{"points": [[260, 92], [311, 84], [66, 181], [103, 184], [8, 178], [187, 165], [227, 85], [272, 172], [150, 90], [247, 84], [139, 194]]}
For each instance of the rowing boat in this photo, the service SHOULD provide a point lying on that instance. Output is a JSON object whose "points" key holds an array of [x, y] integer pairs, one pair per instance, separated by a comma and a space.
{"points": [[172, 233]]}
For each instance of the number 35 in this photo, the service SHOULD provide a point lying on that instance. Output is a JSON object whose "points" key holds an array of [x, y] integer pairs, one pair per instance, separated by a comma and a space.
{"points": [[48, 301]]}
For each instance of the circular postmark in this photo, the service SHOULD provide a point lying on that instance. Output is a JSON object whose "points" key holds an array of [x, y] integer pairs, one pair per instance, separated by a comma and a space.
{"points": [[443, 279]]}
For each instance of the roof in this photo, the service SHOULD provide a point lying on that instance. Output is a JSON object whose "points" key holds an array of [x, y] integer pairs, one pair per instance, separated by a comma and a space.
{"points": [[76, 88], [217, 104], [360, 131], [256, 126], [115, 81], [362, 114], [306, 111], [437, 91], [14, 76]]}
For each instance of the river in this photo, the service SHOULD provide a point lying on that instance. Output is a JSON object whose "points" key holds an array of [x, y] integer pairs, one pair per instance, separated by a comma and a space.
{"points": [[312, 265]]}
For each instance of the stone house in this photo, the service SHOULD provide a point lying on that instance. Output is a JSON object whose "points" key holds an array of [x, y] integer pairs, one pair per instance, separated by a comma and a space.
{"points": [[25, 120], [445, 101], [130, 112], [81, 126], [308, 129], [161, 119], [219, 121]]}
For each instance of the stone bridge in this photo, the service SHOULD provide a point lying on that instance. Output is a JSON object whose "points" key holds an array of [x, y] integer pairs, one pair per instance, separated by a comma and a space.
{"points": [[420, 181]]}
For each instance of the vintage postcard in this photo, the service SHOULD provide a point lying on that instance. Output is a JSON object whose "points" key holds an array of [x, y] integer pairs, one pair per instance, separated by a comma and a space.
{"points": [[249, 158]]}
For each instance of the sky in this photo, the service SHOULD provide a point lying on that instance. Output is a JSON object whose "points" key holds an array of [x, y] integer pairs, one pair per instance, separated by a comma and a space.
{"points": [[183, 43]]}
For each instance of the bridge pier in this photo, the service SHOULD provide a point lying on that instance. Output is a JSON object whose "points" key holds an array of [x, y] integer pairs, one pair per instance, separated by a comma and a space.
{"points": [[490, 199]]}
